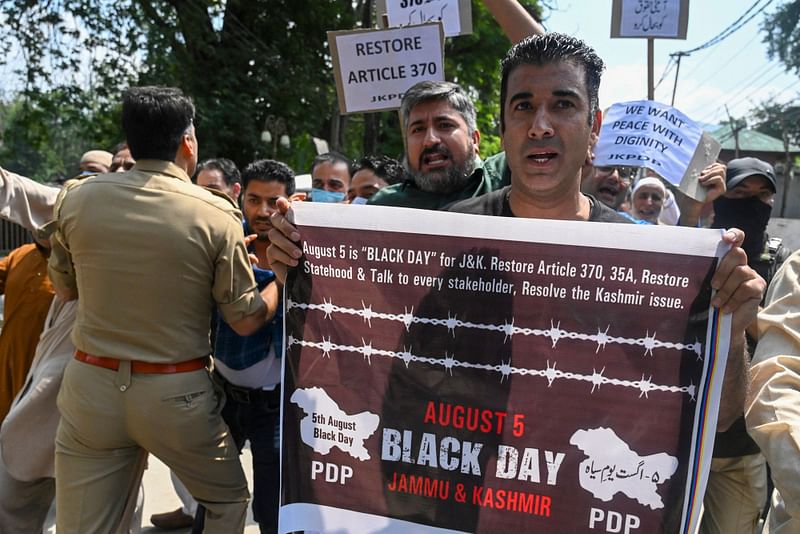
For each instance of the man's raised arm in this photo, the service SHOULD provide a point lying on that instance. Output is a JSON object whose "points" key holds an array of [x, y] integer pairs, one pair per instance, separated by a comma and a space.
{"points": [[25, 201], [514, 20]]}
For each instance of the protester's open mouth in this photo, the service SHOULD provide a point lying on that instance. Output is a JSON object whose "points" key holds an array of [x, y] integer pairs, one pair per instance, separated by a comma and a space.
{"points": [[435, 160], [649, 213], [542, 158], [609, 192]]}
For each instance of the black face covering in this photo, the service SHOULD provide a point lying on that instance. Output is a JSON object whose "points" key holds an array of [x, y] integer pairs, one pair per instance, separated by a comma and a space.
{"points": [[749, 215]]}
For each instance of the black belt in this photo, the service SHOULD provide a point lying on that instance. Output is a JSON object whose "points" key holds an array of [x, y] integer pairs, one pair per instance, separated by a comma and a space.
{"points": [[245, 395]]}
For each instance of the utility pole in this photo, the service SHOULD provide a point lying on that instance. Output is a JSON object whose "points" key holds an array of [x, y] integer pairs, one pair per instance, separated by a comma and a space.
{"points": [[787, 166], [679, 55], [736, 127], [650, 62]]}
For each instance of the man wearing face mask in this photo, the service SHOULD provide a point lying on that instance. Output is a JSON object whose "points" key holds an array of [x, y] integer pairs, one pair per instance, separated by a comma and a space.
{"points": [[330, 177], [95, 161], [737, 483], [748, 204]]}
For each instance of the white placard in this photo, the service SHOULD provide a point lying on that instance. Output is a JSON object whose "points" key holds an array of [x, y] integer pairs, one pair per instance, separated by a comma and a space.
{"points": [[648, 134], [407, 12], [650, 18], [374, 68]]}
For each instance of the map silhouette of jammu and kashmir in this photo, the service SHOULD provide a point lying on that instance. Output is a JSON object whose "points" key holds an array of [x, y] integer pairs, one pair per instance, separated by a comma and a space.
{"points": [[612, 467], [326, 426]]}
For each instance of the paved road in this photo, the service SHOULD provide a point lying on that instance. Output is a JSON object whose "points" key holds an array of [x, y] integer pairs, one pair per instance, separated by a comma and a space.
{"points": [[160, 497]]}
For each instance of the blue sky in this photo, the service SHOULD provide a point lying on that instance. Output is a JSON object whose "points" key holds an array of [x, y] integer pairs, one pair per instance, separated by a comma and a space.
{"points": [[736, 72]]}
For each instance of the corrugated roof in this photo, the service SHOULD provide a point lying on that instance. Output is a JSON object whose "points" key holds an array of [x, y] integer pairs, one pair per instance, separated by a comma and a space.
{"points": [[749, 140]]}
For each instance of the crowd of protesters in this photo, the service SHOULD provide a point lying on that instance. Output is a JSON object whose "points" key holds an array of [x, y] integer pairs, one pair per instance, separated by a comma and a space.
{"points": [[152, 264]]}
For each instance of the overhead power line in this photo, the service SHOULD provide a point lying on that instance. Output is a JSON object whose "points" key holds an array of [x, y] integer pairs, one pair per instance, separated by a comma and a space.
{"points": [[727, 32], [667, 70], [735, 26], [721, 66]]}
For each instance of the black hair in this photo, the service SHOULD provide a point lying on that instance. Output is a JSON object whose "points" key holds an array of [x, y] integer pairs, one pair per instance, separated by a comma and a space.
{"points": [[269, 170], [154, 120], [229, 170], [552, 48], [384, 167], [450, 92], [332, 157], [119, 147]]}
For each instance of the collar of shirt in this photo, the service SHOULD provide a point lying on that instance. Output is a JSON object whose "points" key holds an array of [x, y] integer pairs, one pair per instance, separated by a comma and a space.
{"points": [[167, 168]]}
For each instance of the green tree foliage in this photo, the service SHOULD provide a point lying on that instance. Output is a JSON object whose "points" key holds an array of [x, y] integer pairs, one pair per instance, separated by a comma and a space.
{"points": [[782, 34], [44, 134], [781, 121], [243, 62]]}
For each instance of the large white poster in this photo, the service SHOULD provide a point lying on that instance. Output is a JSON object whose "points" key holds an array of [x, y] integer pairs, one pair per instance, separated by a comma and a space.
{"points": [[460, 373]]}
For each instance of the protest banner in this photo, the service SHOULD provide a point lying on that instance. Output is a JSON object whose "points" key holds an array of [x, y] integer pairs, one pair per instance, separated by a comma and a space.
{"points": [[455, 15], [665, 19], [374, 68], [648, 134], [459, 373]]}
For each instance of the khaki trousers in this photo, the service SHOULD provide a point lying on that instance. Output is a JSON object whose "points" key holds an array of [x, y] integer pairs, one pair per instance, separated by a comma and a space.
{"points": [[108, 417], [735, 496]]}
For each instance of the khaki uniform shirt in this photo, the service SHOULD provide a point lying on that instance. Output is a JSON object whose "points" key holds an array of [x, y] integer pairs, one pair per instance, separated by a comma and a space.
{"points": [[772, 410], [151, 254]]}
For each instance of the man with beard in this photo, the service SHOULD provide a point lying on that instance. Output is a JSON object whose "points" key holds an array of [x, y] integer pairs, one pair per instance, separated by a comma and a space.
{"points": [[442, 141], [737, 484], [248, 368], [442, 138]]}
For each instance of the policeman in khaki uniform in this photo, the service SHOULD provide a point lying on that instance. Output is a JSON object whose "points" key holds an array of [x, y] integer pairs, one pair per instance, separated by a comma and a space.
{"points": [[149, 255]]}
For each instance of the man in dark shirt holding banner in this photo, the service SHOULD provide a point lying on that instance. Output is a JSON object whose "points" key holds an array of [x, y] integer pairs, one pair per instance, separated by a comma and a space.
{"points": [[529, 376]]}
